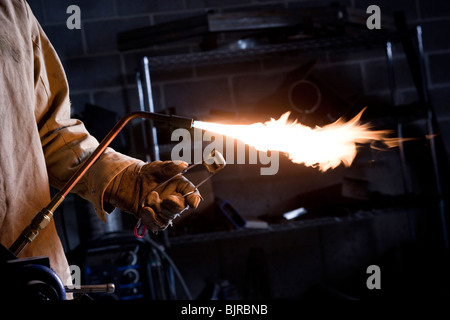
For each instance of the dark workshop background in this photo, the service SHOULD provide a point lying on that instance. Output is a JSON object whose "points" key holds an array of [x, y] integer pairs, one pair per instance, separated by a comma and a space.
{"points": [[396, 224]]}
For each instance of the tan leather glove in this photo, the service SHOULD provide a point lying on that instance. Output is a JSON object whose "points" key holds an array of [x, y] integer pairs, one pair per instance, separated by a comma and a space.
{"points": [[133, 191]]}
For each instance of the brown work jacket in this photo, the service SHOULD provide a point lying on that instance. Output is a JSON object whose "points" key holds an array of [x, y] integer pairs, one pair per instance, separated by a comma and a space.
{"points": [[40, 145]]}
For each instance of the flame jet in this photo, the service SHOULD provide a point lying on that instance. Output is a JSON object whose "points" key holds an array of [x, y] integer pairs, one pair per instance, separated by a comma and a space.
{"points": [[322, 147]]}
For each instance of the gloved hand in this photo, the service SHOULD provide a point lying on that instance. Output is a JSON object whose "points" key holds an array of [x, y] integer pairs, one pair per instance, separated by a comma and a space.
{"points": [[132, 191]]}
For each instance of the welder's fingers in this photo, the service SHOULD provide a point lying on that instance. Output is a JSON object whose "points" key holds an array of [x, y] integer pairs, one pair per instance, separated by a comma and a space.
{"points": [[158, 213], [180, 186], [151, 220], [172, 205], [152, 200], [163, 170], [159, 209], [193, 199], [153, 213]]}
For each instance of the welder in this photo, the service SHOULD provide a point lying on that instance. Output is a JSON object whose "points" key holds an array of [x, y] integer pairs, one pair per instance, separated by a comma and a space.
{"points": [[40, 145]]}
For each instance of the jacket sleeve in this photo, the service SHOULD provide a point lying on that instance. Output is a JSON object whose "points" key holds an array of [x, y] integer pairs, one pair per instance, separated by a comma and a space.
{"points": [[66, 143]]}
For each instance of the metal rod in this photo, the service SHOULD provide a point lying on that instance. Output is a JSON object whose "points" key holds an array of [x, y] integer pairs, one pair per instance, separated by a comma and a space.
{"points": [[405, 175], [406, 180], [90, 288], [142, 108], [432, 126], [422, 63], [151, 107], [43, 217], [391, 73]]}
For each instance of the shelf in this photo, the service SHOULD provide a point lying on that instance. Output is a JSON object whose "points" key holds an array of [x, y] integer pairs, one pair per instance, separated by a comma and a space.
{"points": [[283, 227], [363, 40]]}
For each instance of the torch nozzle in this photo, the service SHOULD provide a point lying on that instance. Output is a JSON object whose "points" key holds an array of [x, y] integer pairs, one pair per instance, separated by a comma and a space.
{"points": [[172, 120], [181, 122]]}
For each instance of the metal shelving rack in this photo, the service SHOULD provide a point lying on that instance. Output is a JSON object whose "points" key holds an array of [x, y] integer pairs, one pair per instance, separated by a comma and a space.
{"points": [[355, 37], [362, 40]]}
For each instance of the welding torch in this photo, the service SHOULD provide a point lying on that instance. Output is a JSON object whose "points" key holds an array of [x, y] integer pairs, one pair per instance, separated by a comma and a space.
{"points": [[43, 217]]}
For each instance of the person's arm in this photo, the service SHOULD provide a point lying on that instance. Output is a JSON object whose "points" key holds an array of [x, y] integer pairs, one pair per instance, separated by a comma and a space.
{"points": [[66, 144], [65, 141]]}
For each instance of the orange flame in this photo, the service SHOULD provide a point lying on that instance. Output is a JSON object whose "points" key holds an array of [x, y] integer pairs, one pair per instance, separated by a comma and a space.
{"points": [[323, 147]]}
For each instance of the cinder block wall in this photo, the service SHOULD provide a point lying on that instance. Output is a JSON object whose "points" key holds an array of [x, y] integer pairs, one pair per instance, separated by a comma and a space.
{"points": [[98, 73]]}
